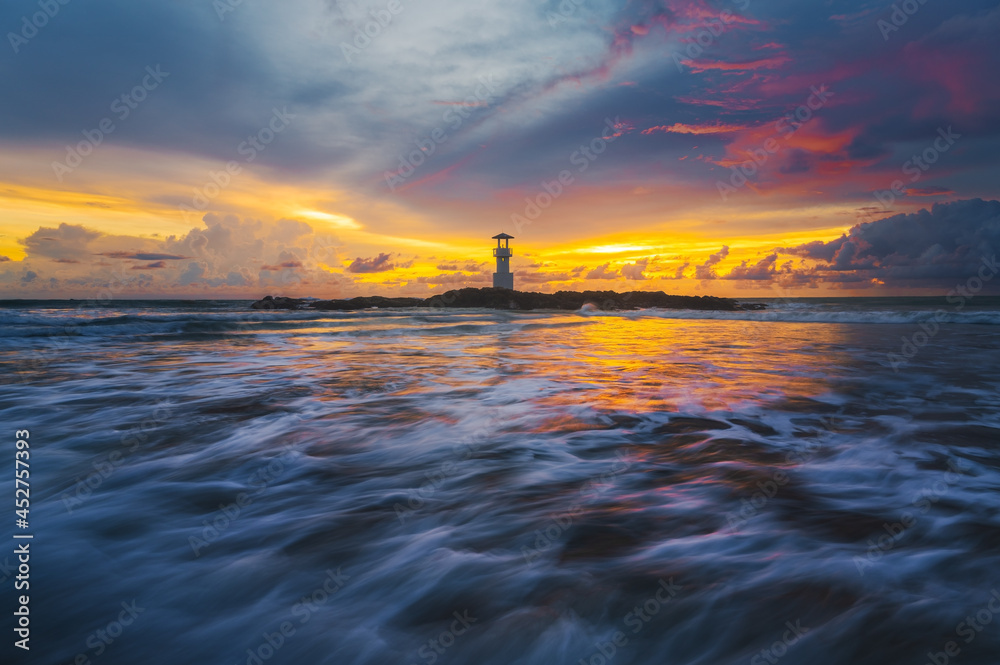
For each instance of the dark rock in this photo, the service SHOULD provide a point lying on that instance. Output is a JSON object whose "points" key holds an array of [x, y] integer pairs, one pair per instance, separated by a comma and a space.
{"points": [[495, 298], [278, 303], [364, 302]]}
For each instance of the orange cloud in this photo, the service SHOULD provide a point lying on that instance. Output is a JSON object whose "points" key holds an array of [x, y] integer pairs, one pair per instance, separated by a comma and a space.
{"points": [[681, 128], [763, 63], [929, 191]]}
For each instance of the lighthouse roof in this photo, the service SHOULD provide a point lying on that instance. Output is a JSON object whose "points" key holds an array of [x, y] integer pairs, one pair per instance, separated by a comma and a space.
{"points": [[503, 236]]}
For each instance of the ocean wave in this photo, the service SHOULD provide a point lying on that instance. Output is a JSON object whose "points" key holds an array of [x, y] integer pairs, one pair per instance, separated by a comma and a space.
{"points": [[546, 473], [816, 315], [150, 323]]}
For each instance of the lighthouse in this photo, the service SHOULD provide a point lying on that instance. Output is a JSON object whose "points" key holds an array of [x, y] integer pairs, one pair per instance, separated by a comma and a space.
{"points": [[503, 278]]}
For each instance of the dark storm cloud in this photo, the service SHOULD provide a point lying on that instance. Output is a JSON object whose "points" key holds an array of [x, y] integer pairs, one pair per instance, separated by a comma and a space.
{"points": [[608, 59], [219, 88], [818, 249], [932, 247], [937, 73]]}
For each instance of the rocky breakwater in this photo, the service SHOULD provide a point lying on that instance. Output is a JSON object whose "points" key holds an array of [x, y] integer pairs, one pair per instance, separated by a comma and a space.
{"points": [[493, 298]]}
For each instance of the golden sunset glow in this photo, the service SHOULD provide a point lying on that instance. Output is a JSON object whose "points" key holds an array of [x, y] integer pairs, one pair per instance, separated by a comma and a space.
{"points": [[630, 157]]}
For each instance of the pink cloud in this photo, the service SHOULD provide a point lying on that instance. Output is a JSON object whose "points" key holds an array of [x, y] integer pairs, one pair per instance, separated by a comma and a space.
{"points": [[681, 128]]}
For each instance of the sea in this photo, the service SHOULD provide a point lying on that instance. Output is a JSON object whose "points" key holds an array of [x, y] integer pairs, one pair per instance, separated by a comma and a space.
{"points": [[817, 482]]}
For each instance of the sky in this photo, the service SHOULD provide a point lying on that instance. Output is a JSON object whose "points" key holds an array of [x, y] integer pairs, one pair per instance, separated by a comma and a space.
{"points": [[328, 148]]}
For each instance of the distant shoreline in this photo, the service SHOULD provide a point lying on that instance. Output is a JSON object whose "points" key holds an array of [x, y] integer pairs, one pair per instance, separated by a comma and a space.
{"points": [[506, 299]]}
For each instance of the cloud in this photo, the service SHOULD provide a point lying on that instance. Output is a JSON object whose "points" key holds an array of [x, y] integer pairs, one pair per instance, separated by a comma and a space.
{"points": [[928, 191], [546, 82], [635, 270], [380, 263], [286, 230], [143, 256], [552, 86], [228, 254], [930, 248], [699, 67], [602, 272], [681, 128], [817, 249], [193, 273], [67, 241], [197, 273], [707, 269], [222, 236], [29, 277], [762, 270], [4, 259], [797, 161], [287, 265]]}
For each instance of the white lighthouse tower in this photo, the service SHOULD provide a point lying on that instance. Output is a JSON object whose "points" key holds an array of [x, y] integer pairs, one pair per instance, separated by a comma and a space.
{"points": [[503, 278]]}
